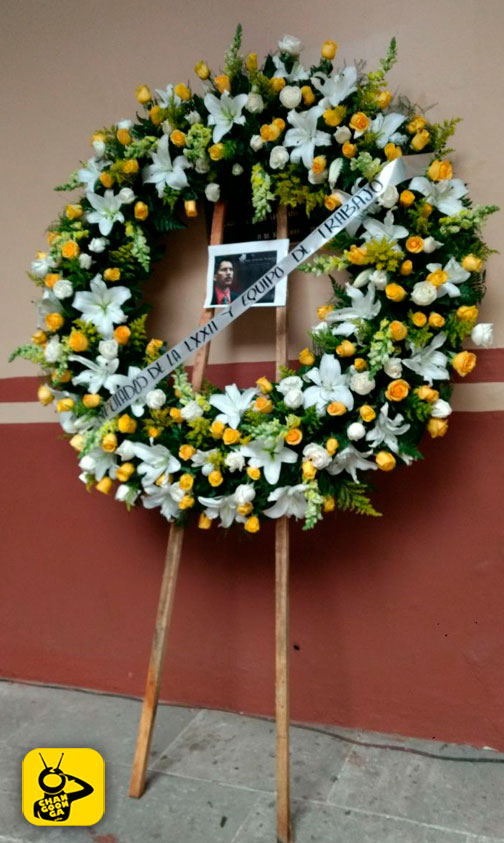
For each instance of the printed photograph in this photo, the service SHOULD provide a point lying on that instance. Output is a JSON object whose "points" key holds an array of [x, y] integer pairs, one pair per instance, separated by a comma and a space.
{"points": [[234, 267]]}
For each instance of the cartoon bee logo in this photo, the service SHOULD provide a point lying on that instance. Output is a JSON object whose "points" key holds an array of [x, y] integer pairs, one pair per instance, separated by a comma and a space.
{"points": [[56, 801]]}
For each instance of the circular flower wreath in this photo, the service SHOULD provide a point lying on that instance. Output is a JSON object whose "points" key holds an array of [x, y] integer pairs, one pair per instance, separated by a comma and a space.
{"points": [[379, 372]]}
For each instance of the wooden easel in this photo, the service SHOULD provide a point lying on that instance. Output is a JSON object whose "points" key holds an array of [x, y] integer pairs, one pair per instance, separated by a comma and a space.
{"points": [[165, 606]]}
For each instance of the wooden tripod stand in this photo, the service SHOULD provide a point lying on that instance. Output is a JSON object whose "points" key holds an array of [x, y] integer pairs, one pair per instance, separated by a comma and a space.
{"points": [[165, 605]]}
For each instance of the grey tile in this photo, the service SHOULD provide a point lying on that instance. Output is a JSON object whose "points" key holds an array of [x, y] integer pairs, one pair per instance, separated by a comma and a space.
{"points": [[464, 796], [241, 751], [318, 823]]}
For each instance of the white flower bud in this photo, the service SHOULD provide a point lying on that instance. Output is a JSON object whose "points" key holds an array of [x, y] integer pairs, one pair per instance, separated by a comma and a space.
{"points": [[202, 165], [482, 334], [126, 196], [53, 350], [362, 383], [393, 368], [290, 96], [212, 192], [124, 124], [424, 293], [356, 431], [430, 245], [235, 461], [379, 278], [288, 383], [342, 134], [290, 44], [85, 260], [63, 289], [245, 493], [279, 157], [256, 142], [191, 411], [108, 349], [193, 117], [317, 455], [99, 148], [293, 399], [98, 244], [255, 103], [389, 197], [441, 409], [155, 399], [237, 170]]}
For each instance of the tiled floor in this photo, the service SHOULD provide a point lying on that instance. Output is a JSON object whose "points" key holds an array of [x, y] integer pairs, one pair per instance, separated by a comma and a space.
{"points": [[212, 777]]}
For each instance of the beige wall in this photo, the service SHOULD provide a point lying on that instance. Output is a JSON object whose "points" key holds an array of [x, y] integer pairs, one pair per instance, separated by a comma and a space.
{"points": [[70, 67]]}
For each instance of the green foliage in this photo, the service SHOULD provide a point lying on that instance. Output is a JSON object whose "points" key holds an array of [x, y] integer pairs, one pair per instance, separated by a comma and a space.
{"points": [[291, 192], [384, 254], [457, 329], [381, 348], [352, 497], [200, 430], [138, 337], [261, 192], [314, 503], [233, 61], [29, 351], [72, 183], [198, 139], [366, 164], [441, 132], [415, 409]]}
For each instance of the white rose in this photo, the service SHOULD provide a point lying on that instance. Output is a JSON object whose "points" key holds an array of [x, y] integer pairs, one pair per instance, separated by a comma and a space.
{"points": [[234, 461], [424, 293], [317, 455], [191, 411], [244, 494], [155, 399], [441, 409], [290, 44], [293, 398], [41, 266], [53, 349], [126, 196], [99, 148], [167, 127], [393, 368], [126, 450], [430, 245], [193, 117], [255, 103], [291, 382], [212, 192], [290, 96], [256, 142], [278, 158], [362, 383], [108, 349], [389, 197], [98, 244], [202, 165], [62, 289], [342, 134], [356, 431], [85, 260], [379, 278], [126, 493], [481, 334], [124, 124], [237, 170], [88, 464]]}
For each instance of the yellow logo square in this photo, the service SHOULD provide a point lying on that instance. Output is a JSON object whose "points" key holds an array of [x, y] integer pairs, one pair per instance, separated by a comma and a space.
{"points": [[63, 786]]}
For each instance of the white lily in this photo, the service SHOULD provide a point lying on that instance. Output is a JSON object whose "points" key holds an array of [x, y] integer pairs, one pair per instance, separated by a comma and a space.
{"points": [[384, 126], [226, 506], [387, 430], [205, 460], [352, 461], [232, 404], [156, 460], [97, 374], [90, 174], [268, 455], [305, 136], [444, 195], [334, 171], [165, 172], [456, 275], [330, 385], [225, 112], [363, 306], [102, 305], [289, 500], [386, 230], [167, 96], [296, 75], [99, 463], [167, 497], [42, 264], [338, 87], [137, 407], [107, 210], [428, 362]]}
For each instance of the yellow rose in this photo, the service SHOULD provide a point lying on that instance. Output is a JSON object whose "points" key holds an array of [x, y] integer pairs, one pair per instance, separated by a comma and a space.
{"points": [[329, 503], [70, 249], [53, 237], [406, 198], [244, 508], [420, 140], [141, 211], [231, 436], [436, 320], [306, 357], [345, 349], [294, 436], [78, 341], [191, 208], [360, 364], [153, 347], [414, 244], [383, 99], [419, 319], [143, 94], [253, 473], [98, 136], [440, 170], [122, 334], [54, 321], [359, 121], [51, 278], [204, 522], [178, 138], [427, 209], [263, 404], [251, 62], [217, 429], [471, 263], [186, 482], [39, 337], [349, 150], [73, 212], [130, 167], [318, 164], [427, 393], [336, 408], [222, 83], [106, 179], [357, 255], [332, 202], [392, 151], [397, 390], [438, 277], [113, 273], [215, 478], [156, 115], [187, 502], [398, 330], [464, 362], [334, 116], [277, 84], [279, 123], [109, 442], [91, 400], [64, 405], [216, 151], [332, 446], [406, 268], [437, 427], [468, 314], [186, 452], [328, 50], [176, 415], [181, 90], [395, 292], [77, 442], [309, 470], [308, 95], [104, 486], [56, 377], [264, 385], [252, 524], [153, 432], [126, 424], [202, 70], [123, 136], [45, 395], [323, 310], [367, 413], [270, 132], [416, 124], [124, 472], [385, 460]]}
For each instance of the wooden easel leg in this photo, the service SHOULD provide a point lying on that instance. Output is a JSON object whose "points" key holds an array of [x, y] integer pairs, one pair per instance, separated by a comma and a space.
{"points": [[173, 552], [282, 679]]}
